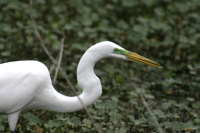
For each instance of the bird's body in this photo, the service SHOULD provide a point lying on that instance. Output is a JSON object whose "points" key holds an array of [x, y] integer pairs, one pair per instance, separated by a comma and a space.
{"points": [[18, 83], [27, 85]]}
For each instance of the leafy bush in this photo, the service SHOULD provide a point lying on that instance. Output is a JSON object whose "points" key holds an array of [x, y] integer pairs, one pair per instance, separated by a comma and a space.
{"points": [[166, 31]]}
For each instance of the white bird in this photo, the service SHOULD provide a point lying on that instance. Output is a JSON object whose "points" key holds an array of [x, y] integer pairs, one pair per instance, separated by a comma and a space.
{"points": [[27, 85]]}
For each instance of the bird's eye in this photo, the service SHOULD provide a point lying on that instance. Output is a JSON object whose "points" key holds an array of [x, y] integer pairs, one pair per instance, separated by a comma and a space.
{"points": [[115, 50]]}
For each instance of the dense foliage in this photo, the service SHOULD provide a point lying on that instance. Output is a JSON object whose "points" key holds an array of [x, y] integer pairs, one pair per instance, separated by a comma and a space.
{"points": [[166, 31]]}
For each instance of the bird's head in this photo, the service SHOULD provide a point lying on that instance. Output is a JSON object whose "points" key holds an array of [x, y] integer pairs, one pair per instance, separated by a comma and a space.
{"points": [[110, 49]]}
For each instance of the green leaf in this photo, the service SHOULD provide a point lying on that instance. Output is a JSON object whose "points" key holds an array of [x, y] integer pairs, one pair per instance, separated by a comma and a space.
{"points": [[76, 121], [32, 119], [196, 105], [87, 121], [6, 53], [159, 113], [178, 126]]}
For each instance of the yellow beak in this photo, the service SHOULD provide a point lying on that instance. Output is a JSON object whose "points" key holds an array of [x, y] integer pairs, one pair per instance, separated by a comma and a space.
{"points": [[138, 58]]}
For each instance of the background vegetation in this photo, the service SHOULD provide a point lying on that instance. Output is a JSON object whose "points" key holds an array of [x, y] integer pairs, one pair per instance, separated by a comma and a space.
{"points": [[166, 31]]}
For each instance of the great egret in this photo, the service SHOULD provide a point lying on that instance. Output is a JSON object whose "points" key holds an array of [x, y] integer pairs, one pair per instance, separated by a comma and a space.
{"points": [[27, 85]]}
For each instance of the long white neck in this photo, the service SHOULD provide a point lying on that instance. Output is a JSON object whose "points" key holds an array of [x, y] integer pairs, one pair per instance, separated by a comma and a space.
{"points": [[87, 80]]}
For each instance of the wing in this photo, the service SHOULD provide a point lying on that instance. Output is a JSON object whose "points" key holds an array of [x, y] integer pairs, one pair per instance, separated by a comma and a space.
{"points": [[19, 82]]}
